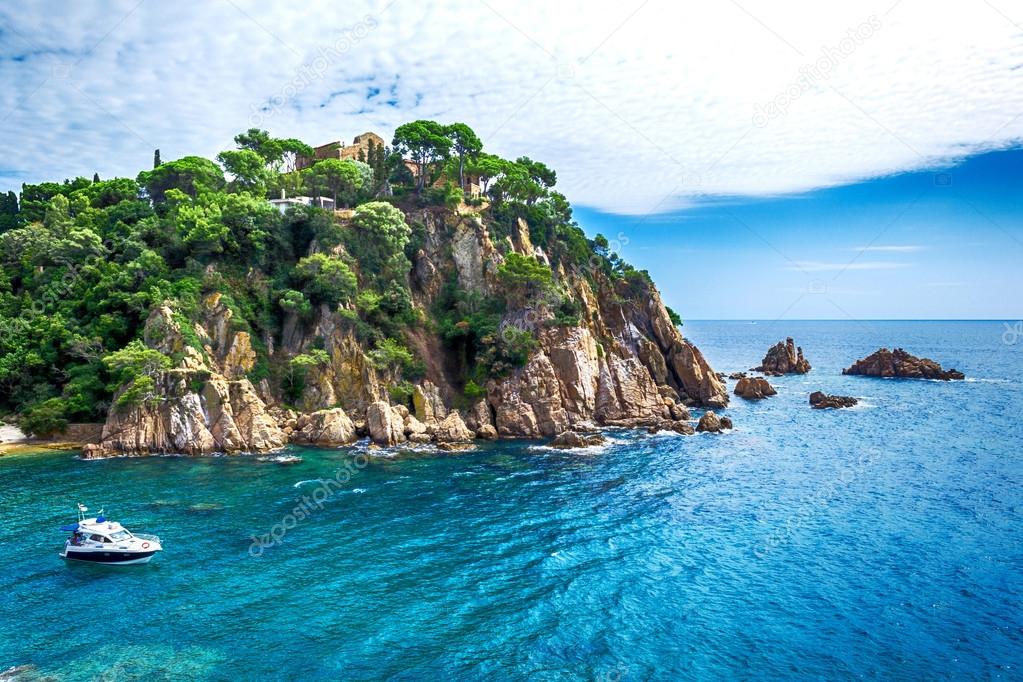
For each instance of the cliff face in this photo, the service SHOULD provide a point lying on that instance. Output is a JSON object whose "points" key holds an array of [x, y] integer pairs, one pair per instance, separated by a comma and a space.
{"points": [[619, 361]]}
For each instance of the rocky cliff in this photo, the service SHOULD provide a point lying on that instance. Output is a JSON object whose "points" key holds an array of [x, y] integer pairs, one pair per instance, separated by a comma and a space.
{"points": [[617, 360]]}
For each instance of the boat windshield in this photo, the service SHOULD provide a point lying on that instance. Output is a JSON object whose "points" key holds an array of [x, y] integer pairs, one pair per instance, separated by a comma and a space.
{"points": [[120, 535]]}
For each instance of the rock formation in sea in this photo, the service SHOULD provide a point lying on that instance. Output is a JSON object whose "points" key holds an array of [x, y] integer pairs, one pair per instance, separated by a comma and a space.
{"points": [[595, 350], [754, 388], [784, 358], [820, 400], [712, 423], [573, 439], [899, 363]]}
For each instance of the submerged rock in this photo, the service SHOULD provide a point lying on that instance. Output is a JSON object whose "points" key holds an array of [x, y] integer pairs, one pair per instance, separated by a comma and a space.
{"points": [[899, 363], [456, 447], [573, 439], [820, 400], [784, 358], [754, 388]]}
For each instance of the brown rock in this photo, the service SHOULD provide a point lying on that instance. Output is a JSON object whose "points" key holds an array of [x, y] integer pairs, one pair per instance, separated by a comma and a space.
{"points": [[487, 432], [385, 426], [709, 422], [572, 439], [456, 447], [899, 363], [414, 426], [699, 381], [754, 388], [784, 358], [224, 416], [683, 427], [678, 412], [325, 427], [92, 451], [478, 416], [820, 400], [452, 429]]}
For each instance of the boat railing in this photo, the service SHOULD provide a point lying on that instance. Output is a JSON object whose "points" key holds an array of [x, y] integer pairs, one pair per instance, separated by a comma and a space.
{"points": [[147, 536]]}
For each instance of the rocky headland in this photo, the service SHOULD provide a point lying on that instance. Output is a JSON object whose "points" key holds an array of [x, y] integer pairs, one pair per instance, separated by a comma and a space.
{"points": [[620, 360]]}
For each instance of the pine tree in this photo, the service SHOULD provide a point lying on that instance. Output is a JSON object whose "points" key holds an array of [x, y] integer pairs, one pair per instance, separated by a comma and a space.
{"points": [[8, 211], [156, 158], [95, 177]]}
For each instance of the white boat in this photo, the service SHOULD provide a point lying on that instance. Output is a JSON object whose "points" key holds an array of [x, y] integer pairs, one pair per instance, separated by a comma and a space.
{"points": [[102, 541]]}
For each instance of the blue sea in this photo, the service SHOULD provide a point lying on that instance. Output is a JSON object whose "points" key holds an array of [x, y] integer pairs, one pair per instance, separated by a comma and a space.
{"points": [[879, 542]]}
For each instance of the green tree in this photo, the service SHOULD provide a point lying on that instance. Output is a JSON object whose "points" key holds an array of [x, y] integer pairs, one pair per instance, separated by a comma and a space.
{"points": [[270, 149], [337, 177], [190, 174], [9, 218], [45, 418], [377, 240], [156, 158], [101, 194], [488, 167], [326, 279], [525, 275], [135, 369], [465, 144], [293, 149], [248, 169], [426, 142]]}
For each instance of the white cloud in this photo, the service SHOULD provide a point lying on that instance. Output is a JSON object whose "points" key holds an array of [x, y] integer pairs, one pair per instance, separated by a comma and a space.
{"points": [[639, 106]]}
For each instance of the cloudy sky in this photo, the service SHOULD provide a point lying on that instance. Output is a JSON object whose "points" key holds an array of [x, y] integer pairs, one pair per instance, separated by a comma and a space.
{"points": [[765, 142]]}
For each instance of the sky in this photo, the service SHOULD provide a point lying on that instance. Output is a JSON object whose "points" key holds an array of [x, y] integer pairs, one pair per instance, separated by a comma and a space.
{"points": [[760, 159]]}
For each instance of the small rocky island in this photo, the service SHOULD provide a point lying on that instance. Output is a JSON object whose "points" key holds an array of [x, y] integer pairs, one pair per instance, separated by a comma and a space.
{"points": [[754, 388], [820, 400], [784, 358], [900, 364]]}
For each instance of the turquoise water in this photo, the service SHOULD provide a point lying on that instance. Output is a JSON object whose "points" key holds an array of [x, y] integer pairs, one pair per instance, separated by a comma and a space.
{"points": [[882, 542]]}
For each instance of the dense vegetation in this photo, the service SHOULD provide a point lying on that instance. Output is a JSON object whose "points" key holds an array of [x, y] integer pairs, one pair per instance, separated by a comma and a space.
{"points": [[85, 261]]}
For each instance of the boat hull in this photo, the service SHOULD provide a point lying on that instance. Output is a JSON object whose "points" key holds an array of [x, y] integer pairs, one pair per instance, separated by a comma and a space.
{"points": [[112, 558]]}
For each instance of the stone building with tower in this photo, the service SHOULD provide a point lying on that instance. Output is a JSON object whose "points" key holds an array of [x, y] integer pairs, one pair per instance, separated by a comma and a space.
{"points": [[359, 151]]}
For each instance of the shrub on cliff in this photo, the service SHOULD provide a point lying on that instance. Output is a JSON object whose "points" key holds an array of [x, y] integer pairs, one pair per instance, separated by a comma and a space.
{"points": [[134, 369], [524, 276], [324, 279]]}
